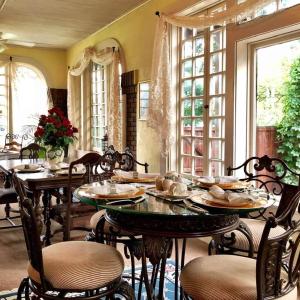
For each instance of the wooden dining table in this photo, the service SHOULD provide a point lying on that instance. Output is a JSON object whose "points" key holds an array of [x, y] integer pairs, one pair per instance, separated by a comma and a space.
{"points": [[41, 184]]}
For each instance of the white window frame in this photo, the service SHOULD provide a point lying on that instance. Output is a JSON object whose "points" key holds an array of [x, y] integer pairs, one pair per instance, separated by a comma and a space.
{"points": [[175, 159], [99, 106], [25, 62], [244, 39]]}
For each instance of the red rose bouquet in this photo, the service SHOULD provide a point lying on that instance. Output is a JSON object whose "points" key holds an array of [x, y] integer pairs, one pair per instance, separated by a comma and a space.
{"points": [[55, 130]]}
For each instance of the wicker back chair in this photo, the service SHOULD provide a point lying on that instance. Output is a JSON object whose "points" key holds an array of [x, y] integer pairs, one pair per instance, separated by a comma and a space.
{"points": [[273, 275], [61, 268]]}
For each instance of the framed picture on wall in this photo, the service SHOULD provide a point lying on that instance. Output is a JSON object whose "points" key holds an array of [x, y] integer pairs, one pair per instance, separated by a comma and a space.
{"points": [[144, 95]]}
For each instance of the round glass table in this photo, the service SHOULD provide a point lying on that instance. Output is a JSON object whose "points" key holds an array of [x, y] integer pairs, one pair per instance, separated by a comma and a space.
{"points": [[159, 222]]}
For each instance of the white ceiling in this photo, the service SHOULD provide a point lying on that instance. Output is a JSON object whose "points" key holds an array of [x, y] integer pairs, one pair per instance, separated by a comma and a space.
{"points": [[59, 23]]}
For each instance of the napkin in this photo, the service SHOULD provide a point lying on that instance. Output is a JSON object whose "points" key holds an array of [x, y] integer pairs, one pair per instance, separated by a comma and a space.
{"points": [[230, 198], [129, 175], [241, 198]]}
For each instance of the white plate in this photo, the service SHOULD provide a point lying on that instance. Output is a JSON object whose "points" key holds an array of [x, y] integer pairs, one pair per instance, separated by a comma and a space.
{"points": [[218, 203], [28, 168], [106, 189]]}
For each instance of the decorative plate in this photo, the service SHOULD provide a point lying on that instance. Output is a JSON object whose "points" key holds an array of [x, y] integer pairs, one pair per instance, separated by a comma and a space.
{"points": [[218, 203]]}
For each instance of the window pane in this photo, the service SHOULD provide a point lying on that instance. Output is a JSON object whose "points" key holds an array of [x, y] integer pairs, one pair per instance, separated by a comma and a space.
{"points": [[187, 145], [216, 107], [216, 149], [198, 107], [216, 85], [187, 88], [199, 167], [216, 168], [198, 127], [198, 147], [198, 87], [199, 46], [187, 108], [187, 69], [199, 66], [187, 49], [216, 41], [187, 165], [216, 63], [215, 128]]}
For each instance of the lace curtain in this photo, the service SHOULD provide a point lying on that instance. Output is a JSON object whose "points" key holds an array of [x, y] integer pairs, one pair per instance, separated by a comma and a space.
{"points": [[161, 106], [79, 93]]}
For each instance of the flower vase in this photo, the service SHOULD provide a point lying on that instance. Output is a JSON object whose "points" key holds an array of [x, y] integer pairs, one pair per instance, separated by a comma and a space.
{"points": [[55, 155]]}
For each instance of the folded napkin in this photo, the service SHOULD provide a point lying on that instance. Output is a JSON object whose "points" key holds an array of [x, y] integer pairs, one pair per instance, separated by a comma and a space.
{"points": [[241, 198], [129, 175], [218, 195]]}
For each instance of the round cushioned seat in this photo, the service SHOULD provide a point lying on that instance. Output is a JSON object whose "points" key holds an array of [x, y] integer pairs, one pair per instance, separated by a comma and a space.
{"points": [[256, 227], [78, 265], [227, 277], [95, 219]]}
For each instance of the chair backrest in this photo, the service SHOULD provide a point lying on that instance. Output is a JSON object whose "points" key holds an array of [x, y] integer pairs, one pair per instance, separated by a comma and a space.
{"points": [[32, 151], [31, 229], [278, 260], [269, 173], [14, 141], [124, 161]]}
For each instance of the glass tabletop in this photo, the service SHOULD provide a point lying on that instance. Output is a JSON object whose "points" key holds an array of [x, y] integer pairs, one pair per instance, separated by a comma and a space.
{"points": [[152, 204]]}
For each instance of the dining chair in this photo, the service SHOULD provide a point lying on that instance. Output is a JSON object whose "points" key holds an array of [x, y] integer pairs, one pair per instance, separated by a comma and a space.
{"points": [[9, 196], [95, 169], [124, 161], [270, 175], [33, 151], [14, 141], [77, 269], [273, 275]]}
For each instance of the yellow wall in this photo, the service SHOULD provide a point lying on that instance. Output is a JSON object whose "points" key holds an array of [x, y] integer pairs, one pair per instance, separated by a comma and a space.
{"points": [[52, 62], [135, 33]]}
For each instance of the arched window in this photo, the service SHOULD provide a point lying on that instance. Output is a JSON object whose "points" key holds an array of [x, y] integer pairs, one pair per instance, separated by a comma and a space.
{"points": [[23, 97]]}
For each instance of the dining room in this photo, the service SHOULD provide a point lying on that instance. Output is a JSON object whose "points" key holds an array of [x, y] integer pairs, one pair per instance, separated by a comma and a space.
{"points": [[149, 149]]}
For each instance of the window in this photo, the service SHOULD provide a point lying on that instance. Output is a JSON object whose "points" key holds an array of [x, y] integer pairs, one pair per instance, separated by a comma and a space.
{"points": [[98, 105], [27, 100], [202, 100], [144, 91]]}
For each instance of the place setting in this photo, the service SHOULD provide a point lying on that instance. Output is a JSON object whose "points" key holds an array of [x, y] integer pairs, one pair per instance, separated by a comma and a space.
{"points": [[217, 198], [112, 193], [28, 168], [134, 177]]}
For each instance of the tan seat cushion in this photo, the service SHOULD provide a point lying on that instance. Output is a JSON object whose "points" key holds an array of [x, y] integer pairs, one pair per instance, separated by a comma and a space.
{"points": [[226, 277], [95, 219], [256, 227], [78, 265]]}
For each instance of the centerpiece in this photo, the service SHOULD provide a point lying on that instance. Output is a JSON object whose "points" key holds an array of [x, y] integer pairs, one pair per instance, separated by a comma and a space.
{"points": [[55, 132]]}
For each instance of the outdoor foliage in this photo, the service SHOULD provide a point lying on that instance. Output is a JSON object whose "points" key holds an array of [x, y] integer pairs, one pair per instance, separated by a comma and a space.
{"points": [[55, 130], [288, 130]]}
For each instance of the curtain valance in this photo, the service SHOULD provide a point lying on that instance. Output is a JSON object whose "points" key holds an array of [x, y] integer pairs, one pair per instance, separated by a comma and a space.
{"points": [[79, 95]]}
